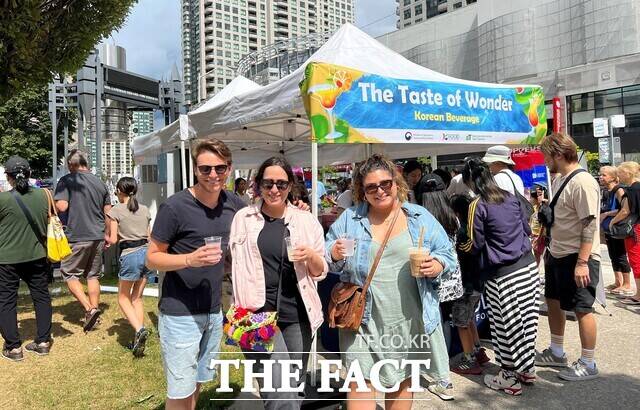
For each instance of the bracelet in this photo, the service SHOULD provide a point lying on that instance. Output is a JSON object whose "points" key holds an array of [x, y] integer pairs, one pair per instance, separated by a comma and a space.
{"points": [[582, 262], [186, 260]]}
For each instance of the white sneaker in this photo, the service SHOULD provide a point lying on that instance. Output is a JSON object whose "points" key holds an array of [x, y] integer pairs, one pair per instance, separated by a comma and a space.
{"points": [[505, 381], [579, 371]]}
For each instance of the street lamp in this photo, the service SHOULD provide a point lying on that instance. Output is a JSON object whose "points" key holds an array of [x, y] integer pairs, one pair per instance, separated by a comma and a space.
{"points": [[200, 84]]}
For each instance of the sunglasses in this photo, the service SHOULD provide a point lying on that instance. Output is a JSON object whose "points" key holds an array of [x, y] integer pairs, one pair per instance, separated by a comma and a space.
{"points": [[206, 169], [373, 188], [281, 184]]}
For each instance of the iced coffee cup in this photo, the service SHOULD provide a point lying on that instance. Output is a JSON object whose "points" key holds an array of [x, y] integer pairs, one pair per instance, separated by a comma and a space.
{"points": [[416, 257]]}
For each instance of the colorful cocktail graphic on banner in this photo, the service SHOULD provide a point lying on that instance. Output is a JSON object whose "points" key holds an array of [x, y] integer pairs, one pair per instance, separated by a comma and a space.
{"points": [[327, 94], [350, 106]]}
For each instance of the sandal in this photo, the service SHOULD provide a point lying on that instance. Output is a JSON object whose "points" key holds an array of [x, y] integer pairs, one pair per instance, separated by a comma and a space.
{"points": [[631, 301]]}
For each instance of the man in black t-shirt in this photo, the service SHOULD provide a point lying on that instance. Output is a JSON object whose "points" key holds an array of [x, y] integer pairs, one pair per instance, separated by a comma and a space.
{"points": [[86, 200], [190, 321]]}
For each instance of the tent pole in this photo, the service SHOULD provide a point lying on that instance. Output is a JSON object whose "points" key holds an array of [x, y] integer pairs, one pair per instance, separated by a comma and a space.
{"points": [[183, 165], [184, 136], [314, 210], [191, 181]]}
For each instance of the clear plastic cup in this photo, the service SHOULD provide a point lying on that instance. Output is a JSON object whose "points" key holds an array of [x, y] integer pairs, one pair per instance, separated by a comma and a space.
{"points": [[349, 246], [216, 241], [291, 247], [416, 257]]}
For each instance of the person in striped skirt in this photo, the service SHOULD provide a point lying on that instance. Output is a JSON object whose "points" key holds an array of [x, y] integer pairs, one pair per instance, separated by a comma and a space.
{"points": [[499, 232]]}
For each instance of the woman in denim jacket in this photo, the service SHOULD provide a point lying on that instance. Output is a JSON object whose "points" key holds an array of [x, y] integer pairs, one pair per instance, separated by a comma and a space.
{"points": [[398, 306]]}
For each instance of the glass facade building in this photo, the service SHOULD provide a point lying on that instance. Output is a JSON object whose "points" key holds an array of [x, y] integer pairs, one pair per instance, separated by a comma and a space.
{"points": [[586, 52]]}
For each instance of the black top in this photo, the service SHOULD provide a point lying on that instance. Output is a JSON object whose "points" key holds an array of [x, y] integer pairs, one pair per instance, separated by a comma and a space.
{"points": [[273, 252], [632, 193], [471, 278], [183, 222], [87, 196]]}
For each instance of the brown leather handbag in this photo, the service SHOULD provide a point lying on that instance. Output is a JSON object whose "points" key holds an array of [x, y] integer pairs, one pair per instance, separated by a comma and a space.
{"points": [[347, 303]]}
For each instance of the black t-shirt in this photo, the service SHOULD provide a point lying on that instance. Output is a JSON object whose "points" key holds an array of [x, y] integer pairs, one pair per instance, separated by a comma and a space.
{"points": [[183, 222], [87, 196], [273, 252], [632, 193]]}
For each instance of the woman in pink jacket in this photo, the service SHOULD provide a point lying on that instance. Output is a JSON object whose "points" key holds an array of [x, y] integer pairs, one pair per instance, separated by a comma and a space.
{"points": [[266, 279]]}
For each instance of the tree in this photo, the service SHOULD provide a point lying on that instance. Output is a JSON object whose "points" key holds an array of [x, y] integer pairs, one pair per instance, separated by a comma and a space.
{"points": [[42, 37], [25, 130]]}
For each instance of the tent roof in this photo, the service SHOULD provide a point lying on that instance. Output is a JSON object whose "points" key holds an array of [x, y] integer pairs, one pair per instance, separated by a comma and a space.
{"points": [[269, 120], [166, 138]]}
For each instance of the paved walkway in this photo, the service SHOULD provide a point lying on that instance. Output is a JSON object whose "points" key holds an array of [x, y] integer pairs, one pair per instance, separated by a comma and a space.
{"points": [[617, 356]]}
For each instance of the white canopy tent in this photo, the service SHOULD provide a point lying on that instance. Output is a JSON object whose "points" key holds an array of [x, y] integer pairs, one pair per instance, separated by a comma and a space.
{"points": [[258, 122]]}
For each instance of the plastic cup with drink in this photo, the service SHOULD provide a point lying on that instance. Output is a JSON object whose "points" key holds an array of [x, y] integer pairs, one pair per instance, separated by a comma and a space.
{"points": [[349, 245], [291, 247], [417, 255]]}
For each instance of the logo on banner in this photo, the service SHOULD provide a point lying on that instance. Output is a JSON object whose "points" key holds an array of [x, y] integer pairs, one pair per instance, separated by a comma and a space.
{"points": [[451, 137], [408, 135]]}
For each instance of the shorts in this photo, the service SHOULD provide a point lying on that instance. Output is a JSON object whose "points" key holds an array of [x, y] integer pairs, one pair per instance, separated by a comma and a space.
{"points": [[618, 254], [132, 267], [188, 344], [85, 261], [560, 283], [464, 309]]}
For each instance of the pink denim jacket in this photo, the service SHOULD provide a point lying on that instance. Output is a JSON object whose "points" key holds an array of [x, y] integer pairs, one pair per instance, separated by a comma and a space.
{"points": [[248, 271]]}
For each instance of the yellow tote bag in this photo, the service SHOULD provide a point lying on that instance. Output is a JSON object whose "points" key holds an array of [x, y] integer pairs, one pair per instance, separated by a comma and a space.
{"points": [[57, 244]]}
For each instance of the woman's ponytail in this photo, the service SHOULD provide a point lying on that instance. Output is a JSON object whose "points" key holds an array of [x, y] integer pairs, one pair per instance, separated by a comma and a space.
{"points": [[22, 182], [129, 187]]}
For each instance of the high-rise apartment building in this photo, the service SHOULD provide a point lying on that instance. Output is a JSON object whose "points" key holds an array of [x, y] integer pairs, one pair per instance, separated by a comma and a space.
{"points": [[415, 11], [216, 34], [141, 122]]}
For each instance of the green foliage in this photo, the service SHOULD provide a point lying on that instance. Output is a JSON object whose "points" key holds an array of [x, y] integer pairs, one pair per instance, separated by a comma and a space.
{"points": [[25, 130], [42, 37], [593, 162]]}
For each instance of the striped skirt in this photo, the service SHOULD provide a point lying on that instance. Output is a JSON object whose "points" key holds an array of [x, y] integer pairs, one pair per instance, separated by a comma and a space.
{"points": [[513, 301]]}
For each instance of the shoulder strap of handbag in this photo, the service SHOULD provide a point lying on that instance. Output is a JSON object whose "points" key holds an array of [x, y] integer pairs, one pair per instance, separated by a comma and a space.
{"points": [[380, 251], [282, 253], [556, 196], [28, 215], [515, 190]]}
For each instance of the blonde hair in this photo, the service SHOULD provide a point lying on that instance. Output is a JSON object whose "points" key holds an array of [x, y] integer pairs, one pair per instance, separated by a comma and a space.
{"points": [[608, 169], [631, 167], [374, 163]]}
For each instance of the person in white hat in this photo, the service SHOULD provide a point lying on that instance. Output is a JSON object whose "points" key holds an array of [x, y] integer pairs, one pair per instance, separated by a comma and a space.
{"points": [[498, 158]]}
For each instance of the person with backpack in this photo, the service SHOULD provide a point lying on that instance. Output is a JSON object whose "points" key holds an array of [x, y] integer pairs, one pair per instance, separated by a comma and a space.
{"points": [[499, 233], [129, 226], [629, 174], [23, 255], [572, 263]]}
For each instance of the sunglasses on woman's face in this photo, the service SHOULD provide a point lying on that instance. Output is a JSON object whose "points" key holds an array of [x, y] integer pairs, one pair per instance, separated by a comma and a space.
{"points": [[373, 188], [206, 169], [281, 184]]}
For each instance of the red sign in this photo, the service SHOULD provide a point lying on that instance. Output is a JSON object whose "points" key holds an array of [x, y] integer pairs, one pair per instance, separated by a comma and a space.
{"points": [[557, 115]]}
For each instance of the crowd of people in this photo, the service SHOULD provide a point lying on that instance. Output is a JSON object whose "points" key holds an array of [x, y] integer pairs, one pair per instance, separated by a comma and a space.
{"points": [[474, 225]]}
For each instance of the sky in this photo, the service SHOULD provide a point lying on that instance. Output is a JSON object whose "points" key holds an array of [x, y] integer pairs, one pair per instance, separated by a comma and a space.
{"points": [[152, 34]]}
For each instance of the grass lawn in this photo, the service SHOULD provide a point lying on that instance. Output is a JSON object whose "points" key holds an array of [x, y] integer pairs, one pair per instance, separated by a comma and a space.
{"points": [[94, 370]]}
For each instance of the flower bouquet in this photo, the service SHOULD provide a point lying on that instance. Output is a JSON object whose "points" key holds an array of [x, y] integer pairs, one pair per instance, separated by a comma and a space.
{"points": [[252, 331]]}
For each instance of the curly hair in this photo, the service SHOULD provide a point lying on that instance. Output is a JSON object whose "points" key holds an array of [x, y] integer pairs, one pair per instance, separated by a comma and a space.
{"points": [[374, 163]]}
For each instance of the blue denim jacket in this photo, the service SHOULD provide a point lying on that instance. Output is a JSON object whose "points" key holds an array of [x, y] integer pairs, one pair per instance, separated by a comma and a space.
{"points": [[355, 269]]}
